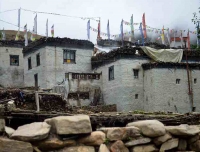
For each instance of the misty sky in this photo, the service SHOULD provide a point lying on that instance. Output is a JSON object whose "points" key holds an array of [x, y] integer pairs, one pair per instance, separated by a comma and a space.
{"points": [[170, 13]]}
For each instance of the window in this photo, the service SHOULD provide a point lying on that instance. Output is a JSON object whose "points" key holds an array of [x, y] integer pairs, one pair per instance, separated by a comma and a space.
{"points": [[178, 81], [69, 56], [195, 80], [111, 73], [136, 96], [86, 76], [66, 76], [14, 60], [38, 59], [136, 73], [29, 63]]}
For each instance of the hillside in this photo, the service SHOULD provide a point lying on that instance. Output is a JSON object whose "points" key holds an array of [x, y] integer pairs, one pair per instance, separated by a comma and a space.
{"points": [[11, 34]]}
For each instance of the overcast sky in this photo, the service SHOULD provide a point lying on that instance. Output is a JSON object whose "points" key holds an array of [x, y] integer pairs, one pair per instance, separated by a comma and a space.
{"points": [[170, 13]]}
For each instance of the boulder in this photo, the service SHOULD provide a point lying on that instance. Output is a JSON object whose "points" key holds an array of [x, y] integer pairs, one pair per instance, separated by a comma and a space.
{"points": [[78, 149], [139, 141], [53, 143], [2, 125], [103, 148], [118, 146], [96, 138], [144, 148], [195, 146], [65, 125], [8, 145], [160, 140], [123, 133], [170, 144], [193, 139], [9, 131], [183, 130], [182, 144], [149, 128], [32, 132]]}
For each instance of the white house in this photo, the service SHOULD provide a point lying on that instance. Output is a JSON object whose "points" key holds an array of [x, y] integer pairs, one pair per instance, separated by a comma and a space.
{"points": [[11, 64], [176, 42], [136, 82], [55, 61]]}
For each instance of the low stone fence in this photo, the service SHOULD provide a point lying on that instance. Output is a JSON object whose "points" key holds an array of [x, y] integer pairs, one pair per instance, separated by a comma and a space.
{"points": [[74, 134]]}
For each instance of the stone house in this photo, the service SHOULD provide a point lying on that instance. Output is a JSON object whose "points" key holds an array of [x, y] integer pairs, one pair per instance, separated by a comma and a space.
{"points": [[134, 82], [11, 64], [125, 76], [177, 43], [51, 62]]}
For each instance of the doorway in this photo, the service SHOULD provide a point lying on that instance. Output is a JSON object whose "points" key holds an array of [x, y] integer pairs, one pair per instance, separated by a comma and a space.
{"points": [[36, 81]]}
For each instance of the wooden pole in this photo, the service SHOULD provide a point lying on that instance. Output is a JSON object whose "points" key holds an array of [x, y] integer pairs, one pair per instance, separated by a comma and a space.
{"points": [[37, 101], [189, 85]]}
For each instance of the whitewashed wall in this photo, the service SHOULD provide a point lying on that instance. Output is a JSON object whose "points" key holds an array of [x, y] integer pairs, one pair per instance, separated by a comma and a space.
{"points": [[11, 76], [81, 85], [40, 70], [178, 44], [52, 70], [56, 69], [122, 89], [163, 94]]}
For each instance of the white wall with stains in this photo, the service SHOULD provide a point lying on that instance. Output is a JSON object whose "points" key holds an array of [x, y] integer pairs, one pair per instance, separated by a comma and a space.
{"points": [[40, 70], [161, 93], [10, 75], [52, 70], [122, 90]]}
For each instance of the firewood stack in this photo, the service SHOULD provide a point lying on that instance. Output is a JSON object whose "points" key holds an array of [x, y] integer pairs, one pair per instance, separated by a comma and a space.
{"points": [[52, 103]]}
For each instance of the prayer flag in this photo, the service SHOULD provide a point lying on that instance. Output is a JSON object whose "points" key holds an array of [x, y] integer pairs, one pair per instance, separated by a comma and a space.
{"points": [[108, 30], [144, 26], [188, 40], [47, 28], [132, 26], [25, 35], [52, 30], [121, 30], [88, 29]]}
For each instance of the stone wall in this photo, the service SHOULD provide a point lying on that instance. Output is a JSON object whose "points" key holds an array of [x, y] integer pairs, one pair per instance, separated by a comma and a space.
{"points": [[10, 75], [161, 93], [75, 134]]}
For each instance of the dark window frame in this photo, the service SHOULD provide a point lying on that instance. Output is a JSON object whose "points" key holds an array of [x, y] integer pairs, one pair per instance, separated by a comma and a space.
{"points": [[195, 80], [38, 59], [69, 56], [178, 81], [15, 57], [136, 96], [66, 76], [111, 73], [29, 63], [136, 73]]}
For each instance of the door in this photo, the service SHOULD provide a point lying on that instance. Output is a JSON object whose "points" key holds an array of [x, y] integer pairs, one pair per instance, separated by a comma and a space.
{"points": [[36, 81]]}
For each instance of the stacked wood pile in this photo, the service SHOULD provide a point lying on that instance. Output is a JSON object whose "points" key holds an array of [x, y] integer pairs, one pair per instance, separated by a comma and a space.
{"points": [[130, 52], [170, 65], [101, 108], [61, 41], [25, 99], [9, 94], [52, 102]]}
